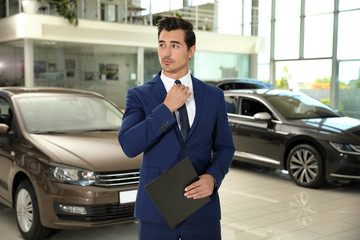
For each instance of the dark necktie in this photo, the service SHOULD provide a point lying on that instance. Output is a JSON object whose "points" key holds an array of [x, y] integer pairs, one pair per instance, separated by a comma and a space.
{"points": [[183, 118]]}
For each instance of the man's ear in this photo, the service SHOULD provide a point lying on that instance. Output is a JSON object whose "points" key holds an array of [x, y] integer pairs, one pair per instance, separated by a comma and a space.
{"points": [[191, 51]]}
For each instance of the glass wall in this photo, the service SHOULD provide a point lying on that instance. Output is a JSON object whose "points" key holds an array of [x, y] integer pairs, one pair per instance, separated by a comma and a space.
{"points": [[303, 51], [349, 88], [206, 66], [264, 31], [151, 64], [108, 70], [210, 66], [311, 76], [12, 64], [349, 58], [318, 43]]}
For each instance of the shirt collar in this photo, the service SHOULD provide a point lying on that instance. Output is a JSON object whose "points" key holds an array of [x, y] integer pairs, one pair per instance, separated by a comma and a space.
{"points": [[169, 82]]}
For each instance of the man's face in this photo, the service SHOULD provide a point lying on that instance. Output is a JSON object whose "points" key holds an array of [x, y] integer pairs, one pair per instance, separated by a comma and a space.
{"points": [[173, 53]]}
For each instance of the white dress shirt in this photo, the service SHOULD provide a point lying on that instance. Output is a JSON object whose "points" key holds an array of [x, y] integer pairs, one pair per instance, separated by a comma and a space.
{"points": [[190, 102]]}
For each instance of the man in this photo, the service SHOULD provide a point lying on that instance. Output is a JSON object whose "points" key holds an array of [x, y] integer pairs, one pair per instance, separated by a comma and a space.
{"points": [[150, 127]]}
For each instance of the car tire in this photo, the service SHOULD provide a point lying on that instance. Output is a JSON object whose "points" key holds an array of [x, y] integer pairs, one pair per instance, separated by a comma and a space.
{"points": [[306, 166], [27, 213]]}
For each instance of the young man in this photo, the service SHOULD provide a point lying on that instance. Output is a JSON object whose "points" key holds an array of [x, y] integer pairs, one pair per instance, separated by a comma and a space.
{"points": [[153, 125]]}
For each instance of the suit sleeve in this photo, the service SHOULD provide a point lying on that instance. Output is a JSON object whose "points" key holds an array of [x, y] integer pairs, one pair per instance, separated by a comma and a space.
{"points": [[139, 130], [223, 149]]}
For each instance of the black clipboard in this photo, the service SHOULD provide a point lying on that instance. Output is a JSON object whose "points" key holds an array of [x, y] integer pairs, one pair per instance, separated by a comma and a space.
{"points": [[167, 193]]}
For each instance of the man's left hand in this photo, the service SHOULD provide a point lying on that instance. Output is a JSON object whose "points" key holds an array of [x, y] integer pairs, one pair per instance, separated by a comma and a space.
{"points": [[202, 188]]}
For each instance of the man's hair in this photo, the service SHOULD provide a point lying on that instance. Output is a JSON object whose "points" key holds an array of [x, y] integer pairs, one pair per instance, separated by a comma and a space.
{"points": [[174, 23]]}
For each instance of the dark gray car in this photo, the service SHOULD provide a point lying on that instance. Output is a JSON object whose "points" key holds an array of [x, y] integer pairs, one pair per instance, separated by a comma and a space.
{"points": [[293, 131]]}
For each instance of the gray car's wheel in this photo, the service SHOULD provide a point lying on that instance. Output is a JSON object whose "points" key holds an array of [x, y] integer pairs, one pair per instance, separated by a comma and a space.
{"points": [[27, 213], [306, 166]]}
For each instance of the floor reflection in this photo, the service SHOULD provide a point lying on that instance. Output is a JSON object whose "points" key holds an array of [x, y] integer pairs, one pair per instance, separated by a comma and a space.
{"points": [[257, 203]]}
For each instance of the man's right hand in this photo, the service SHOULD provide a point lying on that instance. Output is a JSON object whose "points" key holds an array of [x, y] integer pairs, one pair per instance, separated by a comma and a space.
{"points": [[176, 97]]}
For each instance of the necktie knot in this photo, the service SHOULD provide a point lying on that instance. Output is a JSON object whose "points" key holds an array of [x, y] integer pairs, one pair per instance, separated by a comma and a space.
{"points": [[177, 82]]}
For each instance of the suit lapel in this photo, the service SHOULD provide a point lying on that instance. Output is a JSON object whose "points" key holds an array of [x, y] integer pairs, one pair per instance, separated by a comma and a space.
{"points": [[158, 88]]}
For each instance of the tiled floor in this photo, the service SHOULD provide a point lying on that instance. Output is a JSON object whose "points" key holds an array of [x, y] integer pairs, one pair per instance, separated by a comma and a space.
{"points": [[256, 204]]}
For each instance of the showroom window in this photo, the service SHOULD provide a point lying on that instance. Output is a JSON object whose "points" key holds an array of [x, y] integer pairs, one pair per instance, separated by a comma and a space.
{"points": [[349, 88], [324, 64], [210, 66], [312, 77], [318, 43], [11, 64], [349, 37], [287, 38], [108, 70]]}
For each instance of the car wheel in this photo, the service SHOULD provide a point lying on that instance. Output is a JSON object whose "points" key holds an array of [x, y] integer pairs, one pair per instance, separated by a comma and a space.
{"points": [[306, 166], [27, 213]]}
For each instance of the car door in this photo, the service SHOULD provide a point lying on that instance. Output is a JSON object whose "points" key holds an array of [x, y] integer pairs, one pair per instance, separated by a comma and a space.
{"points": [[256, 141], [5, 153]]}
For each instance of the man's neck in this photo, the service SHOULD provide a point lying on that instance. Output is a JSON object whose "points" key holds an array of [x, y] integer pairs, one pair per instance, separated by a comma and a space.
{"points": [[175, 76]]}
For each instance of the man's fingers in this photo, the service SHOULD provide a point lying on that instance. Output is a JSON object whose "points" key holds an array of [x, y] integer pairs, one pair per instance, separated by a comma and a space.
{"points": [[197, 190], [197, 193], [176, 97], [202, 188], [192, 186]]}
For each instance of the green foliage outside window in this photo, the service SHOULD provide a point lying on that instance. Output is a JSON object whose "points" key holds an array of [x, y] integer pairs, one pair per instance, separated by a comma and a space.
{"points": [[283, 82]]}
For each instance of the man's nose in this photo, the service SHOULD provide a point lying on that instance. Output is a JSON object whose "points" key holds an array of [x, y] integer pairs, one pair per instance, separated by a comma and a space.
{"points": [[168, 51]]}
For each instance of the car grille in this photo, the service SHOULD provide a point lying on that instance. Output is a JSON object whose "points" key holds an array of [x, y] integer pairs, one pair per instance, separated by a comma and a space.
{"points": [[106, 212], [117, 179]]}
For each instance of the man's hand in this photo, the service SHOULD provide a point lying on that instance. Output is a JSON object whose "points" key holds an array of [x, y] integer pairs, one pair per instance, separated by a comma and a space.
{"points": [[202, 188], [176, 97]]}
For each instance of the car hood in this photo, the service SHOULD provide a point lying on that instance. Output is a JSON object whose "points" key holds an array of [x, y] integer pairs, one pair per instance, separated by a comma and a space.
{"points": [[96, 151], [349, 127]]}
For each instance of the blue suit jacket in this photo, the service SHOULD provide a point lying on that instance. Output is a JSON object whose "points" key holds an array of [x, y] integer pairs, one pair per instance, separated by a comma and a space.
{"points": [[149, 127]]}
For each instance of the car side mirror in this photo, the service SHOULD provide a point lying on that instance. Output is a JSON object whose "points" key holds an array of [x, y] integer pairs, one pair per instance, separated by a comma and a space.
{"points": [[4, 128], [263, 116]]}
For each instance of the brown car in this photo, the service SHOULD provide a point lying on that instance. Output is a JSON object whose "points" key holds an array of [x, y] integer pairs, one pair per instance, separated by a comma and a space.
{"points": [[61, 166]]}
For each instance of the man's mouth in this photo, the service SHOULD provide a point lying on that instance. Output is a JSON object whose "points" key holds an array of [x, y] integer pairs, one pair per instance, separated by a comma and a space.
{"points": [[167, 60]]}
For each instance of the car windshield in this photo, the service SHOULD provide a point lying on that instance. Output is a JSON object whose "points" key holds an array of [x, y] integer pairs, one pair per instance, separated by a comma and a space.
{"points": [[66, 114], [301, 107]]}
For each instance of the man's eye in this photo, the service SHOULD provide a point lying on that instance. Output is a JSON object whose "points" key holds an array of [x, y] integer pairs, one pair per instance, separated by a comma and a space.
{"points": [[161, 45], [175, 46]]}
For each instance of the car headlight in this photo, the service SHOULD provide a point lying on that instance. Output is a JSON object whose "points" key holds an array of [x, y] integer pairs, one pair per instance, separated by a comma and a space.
{"points": [[346, 148], [71, 175]]}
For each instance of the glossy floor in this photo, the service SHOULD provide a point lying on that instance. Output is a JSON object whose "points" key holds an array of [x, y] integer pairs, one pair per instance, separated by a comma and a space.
{"points": [[256, 203]]}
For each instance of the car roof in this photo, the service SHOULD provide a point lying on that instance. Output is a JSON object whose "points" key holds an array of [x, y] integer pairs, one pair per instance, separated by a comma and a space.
{"points": [[262, 92], [13, 91], [248, 80], [238, 80], [242, 83]]}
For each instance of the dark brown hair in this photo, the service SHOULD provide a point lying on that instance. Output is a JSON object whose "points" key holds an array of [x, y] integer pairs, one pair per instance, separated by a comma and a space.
{"points": [[174, 23]]}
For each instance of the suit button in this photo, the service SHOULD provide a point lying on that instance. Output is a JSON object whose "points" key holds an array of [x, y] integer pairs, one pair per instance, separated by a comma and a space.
{"points": [[184, 149]]}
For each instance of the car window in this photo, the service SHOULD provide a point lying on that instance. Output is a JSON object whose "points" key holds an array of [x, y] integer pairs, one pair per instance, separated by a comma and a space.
{"points": [[226, 86], [247, 86], [5, 112], [240, 85], [301, 107], [249, 107], [231, 104]]}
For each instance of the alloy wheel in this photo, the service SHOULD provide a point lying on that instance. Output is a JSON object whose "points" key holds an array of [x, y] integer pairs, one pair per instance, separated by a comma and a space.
{"points": [[24, 210], [306, 166]]}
